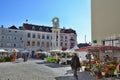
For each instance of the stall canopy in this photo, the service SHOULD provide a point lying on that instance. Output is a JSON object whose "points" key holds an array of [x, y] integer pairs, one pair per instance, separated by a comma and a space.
{"points": [[14, 50], [57, 50], [3, 50], [98, 48], [24, 51], [72, 50]]}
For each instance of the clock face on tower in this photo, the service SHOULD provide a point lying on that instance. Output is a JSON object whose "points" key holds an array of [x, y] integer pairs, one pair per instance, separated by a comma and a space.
{"points": [[55, 22]]}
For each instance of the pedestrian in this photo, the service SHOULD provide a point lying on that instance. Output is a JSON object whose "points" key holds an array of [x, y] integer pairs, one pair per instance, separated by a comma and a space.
{"points": [[24, 57], [75, 65]]}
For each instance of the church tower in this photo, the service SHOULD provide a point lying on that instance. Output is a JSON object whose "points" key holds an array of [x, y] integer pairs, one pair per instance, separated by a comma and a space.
{"points": [[55, 34]]}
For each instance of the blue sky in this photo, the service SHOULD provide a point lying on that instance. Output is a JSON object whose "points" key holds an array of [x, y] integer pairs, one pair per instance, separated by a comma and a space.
{"points": [[75, 14]]}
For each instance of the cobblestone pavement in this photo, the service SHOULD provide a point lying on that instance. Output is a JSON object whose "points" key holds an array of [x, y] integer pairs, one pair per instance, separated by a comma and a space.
{"points": [[38, 70]]}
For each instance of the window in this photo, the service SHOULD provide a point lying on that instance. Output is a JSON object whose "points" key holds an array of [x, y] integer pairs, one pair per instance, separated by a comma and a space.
{"points": [[38, 36], [2, 44], [9, 30], [47, 44], [72, 44], [40, 29], [47, 29], [43, 44], [51, 43], [15, 38], [65, 44], [20, 38], [61, 37], [28, 43], [71, 39], [29, 35], [8, 44], [61, 44], [51, 37], [38, 43], [43, 36], [56, 37], [33, 43], [47, 36], [3, 37], [65, 37], [56, 43], [8, 37], [33, 36], [14, 45]]}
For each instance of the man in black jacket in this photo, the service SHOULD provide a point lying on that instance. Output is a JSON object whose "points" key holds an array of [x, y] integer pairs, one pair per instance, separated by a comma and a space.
{"points": [[75, 64]]}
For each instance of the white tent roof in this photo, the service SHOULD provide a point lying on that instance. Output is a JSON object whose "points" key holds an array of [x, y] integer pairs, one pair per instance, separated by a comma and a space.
{"points": [[71, 50], [3, 50], [57, 50], [75, 47], [24, 51], [14, 50]]}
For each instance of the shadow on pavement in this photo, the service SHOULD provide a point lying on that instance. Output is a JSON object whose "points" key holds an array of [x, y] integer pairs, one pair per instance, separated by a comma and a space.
{"points": [[69, 72], [41, 62], [65, 78], [55, 65], [52, 65]]}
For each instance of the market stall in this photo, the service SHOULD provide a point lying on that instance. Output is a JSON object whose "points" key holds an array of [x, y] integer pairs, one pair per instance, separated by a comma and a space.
{"points": [[102, 60], [13, 53], [3, 52]]}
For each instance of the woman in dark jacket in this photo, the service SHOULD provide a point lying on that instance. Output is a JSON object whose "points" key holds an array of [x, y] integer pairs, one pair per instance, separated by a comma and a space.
{"points": [[75, 64]]}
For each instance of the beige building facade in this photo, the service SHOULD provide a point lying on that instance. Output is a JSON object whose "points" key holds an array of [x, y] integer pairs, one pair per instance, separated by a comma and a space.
{"points": [[105, 22]]}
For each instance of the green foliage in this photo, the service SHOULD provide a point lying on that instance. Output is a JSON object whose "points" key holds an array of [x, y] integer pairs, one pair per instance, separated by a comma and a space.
{"points": [[2, 59], [51, 59], [5, 59], [94, 41], [114, 63]]}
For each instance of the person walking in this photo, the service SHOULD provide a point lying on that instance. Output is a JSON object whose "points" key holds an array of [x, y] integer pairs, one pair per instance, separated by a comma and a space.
{"points": [[75, 65]]}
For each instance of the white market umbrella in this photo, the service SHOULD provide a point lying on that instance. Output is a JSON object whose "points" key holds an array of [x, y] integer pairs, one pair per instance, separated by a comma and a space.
{"points": [[14, 50], [3, 50], [38, 52], [57, 50], [25, 51]]}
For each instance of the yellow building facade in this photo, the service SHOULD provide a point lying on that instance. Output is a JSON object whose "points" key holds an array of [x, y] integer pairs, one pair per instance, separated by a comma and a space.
{"points": [[105, 22]]}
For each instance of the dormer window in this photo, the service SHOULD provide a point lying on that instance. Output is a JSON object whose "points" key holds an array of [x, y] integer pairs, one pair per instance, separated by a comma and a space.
{"points": [[47, 29], [33, 27], [40, 29]]}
